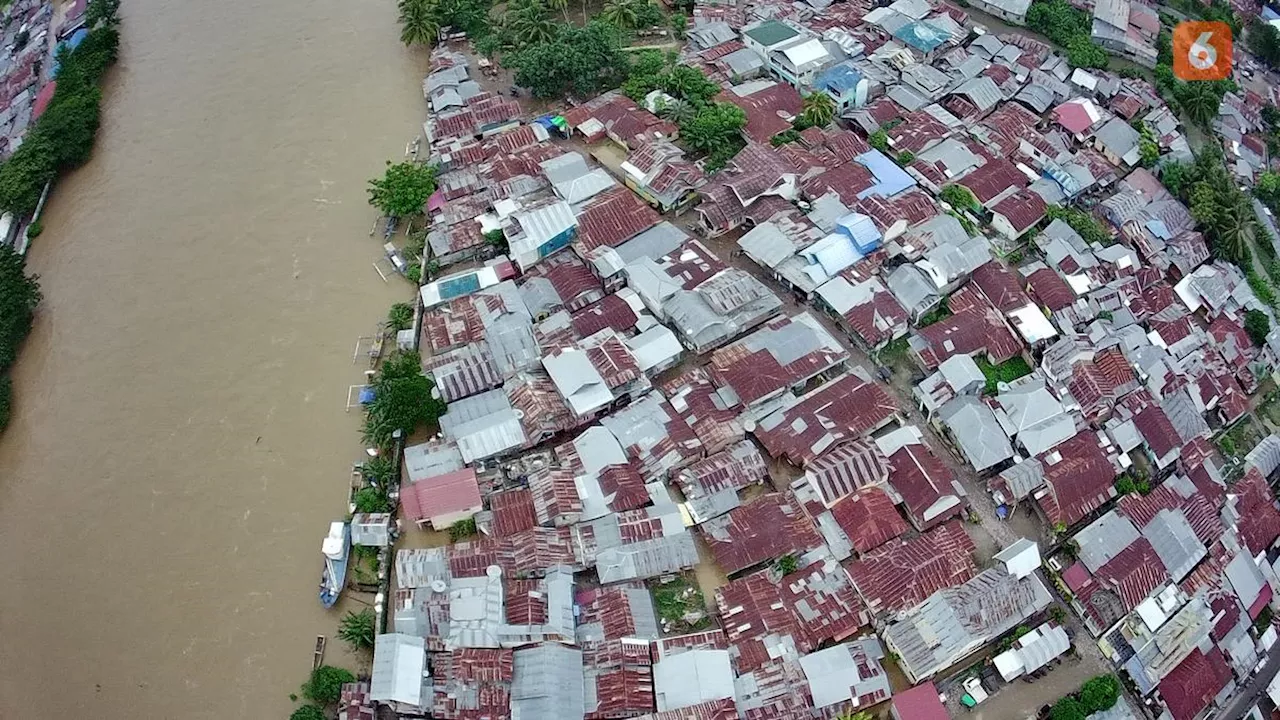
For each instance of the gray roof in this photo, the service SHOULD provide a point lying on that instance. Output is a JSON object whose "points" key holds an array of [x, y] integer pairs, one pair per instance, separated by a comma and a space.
{"points": [[767, 245], [398, 676], [1118, 137], [846, 672], [1104, 538], [584, 187], [1245, 578], [912, 288], [643, 428], [989, 44], [546, 683], [1022, 478], [976, 432], [647, 558], [1185, 416], [483, 425], [1033, 416], [1036, 96], [429, 460], [941, 229], [954, 622], [743, 62], [1265, 455], [702, 324], [982, 91], [1175, 542], [705, 35], [563, 168], [694, 676]]}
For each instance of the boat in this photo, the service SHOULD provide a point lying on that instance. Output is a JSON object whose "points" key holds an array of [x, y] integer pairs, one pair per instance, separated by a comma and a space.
{"points": [[337, 550], [317, 659]]}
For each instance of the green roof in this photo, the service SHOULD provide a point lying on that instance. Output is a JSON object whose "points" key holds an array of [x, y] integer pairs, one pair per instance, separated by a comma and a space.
{"points": [[771, 33]]}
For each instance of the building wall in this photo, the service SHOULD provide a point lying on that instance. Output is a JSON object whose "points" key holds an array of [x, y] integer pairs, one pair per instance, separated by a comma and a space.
{"points": [[442, 522]]}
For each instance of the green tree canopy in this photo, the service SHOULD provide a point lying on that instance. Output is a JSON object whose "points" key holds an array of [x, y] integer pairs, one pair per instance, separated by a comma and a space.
{"points": [[400, 317], [582, 60], [1099, 693], [308, 712], [622, 13], [19, 296], [102, 12], [402, 401], [404, 188], [818, 109], [1058, 21], [372, 500], [1082, 222], [1257, 324], [959, 197], [686, 83], [357, 629], [1067, 708], [1082, 52], [419, 22], [325, 685], [716, 130]]}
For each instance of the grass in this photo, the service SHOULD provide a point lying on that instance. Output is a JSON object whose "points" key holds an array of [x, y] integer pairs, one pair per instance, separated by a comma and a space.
{"points": [[674, 599], [1270, 408], [1240, 438], [1007, 371], [941, 312]]}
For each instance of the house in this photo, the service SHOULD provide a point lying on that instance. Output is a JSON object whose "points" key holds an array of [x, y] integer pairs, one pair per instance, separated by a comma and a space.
{"points": [[536, 232], [560, 282], [399, 675], [1033, 417], [637, 544], [974, 430], [957, 375], [842, 409], [1117, 140], [712, 412], [465, 283], [921, 702], [1017, 214], [659, 174], [954, 622], [847, 675], [931, 494], [768, 527], [709, 313], [1032, 651], [471, 680], [546, 682], [770, 107], [1128, 29], [1078, 478], [692, 677], [974, 328], [483, 426], [866, 310], [868, 518], [1014, 11], [798, 62], [710, 487], [441, 500], [784, 354], [848, 87], [903, 573], [1196, 684]]}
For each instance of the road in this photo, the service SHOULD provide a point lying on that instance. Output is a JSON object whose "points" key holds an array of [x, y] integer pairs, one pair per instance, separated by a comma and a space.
{"points": [[1254, 689]]}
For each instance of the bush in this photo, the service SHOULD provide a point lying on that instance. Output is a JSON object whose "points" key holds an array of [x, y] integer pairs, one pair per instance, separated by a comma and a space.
{"points": [[400, 317], [906, 157], [1257, 325], [788, 564], [959, 198], [1068, 708], [34, 230], [462, 529], [372, 500], [6, 400], [308, 712], [1099, 693], [879, 140], [325, 686]]}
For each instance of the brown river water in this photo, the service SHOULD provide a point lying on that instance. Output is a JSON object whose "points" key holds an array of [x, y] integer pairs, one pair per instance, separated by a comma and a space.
{"points": [[179, 444]]}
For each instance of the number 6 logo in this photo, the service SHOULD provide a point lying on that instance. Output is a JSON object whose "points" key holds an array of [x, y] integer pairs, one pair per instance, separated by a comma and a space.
{"points": [[1202, 51]]}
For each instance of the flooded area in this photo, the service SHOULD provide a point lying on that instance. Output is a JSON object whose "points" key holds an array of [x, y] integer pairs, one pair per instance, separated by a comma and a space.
{"points": [[179, 442]]}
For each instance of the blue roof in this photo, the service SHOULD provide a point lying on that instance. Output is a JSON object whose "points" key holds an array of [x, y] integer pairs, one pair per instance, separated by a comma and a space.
{"points": [[839, 78], [457, 287], [890, 179], [1159, 229], [77, 37], [861, 230], [922, 36], [1268, 14]]}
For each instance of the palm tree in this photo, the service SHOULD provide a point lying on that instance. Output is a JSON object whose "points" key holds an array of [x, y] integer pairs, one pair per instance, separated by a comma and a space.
{"points": [[561, 5], [1201, 104], [818, 110], [530, 24], [357, 629], [679, 112], [1235, 228], [419, 24], [621, 13]]}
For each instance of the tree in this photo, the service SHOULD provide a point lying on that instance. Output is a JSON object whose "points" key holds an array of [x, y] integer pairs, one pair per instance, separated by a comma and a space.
{"points": [[880, 141], [582, 60], [1125, 485], [959, 197], [1099, 693], [19, 296], [419, 22], [404, 188], [462, 529], [1068, 708], [1267, 189], [562, 6], [403, 401], [1257, 324], [102, 12], [400, 317], [788, 564], [380, 470], [1200, 102], [372, 499], [530, 23], [24, 174], [648, 15], [818, 109], [679, 25], [622, 13], [6, 400], [689, 84], [1058, 21], [716, 130], [357, 629], [325, 686], [851, 714], [308, 712], [789, 135], [1148, 150], [906, 157], [1082, 222], [679, 112], [1235, 227], [1082, 52]]}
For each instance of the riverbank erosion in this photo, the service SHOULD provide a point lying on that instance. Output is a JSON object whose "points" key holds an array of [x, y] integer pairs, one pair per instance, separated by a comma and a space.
{"points": [[177, 446]]}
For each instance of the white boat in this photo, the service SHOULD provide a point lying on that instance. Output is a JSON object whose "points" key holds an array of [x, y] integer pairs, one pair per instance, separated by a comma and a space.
{"points": [[337, 550]]}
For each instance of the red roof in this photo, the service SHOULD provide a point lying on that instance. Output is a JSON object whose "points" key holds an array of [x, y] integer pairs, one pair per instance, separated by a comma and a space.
{"points": [[572, 280], [1073, 116], [913, 206], [851, 466], [765, 108], [923, 479], [876, 321], [42, 99], [973, 328], [621, 692], [1157, 431], [869, 519], [1022, 209], [847, 181], [755, 607], [993, 178], [919, 703], [613, 218], [1123, 582], [770, 526], [1192, 685], [901, 575], [711, 710], [1097, 384], [471, 683], [751, 367], [454, 492], [512, 511], [611, 607], [696, 399], [1079, 482], [842, 409], [1002, 286], [917, 131], [1050, 289], [736, 468], [1259, 522]]}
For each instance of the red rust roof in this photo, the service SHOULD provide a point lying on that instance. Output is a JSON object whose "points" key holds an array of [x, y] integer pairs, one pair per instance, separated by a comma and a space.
{"points": [[512, 511], [771, 526], [1259, 522], [922, 479], [696, 399], [1079, 482], [446, 494], [869, 518], [901, 575], [842, 409], [1050, 289], [613, 218], [1192, 685]]}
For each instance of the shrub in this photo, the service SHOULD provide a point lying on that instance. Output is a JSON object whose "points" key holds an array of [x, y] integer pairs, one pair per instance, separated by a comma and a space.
{"points": [[34, 230], [357, 629], [462, 529], [788, 564], [372, 500], [400, 317], [325, 686], [308, 712], [1068, 708], [6, 398]]}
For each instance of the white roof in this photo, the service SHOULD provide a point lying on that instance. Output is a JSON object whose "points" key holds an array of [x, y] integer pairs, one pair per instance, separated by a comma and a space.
{"points": [[578, 380], [1031, 324], [692, 677], [399, 666], [1084, 79], [654, 346], [1021, 558], [803, 53]]}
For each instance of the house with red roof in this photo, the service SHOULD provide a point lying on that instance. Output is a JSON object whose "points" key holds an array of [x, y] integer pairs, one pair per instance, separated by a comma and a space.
{"points": [[440, 490], [1159, 435], [769, 110], [710, 412], [1192, 687], [869, 519], [843, 409], [921, 702], [931, 494], [764, 529], [866, 310], [1079, 478], [973, 328], [1018, 213], [785, 353], [902, 574], [1252, 505]]}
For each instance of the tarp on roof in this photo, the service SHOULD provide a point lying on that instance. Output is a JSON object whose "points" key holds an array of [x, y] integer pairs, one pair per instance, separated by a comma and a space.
{"points": [[42, 100]]}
